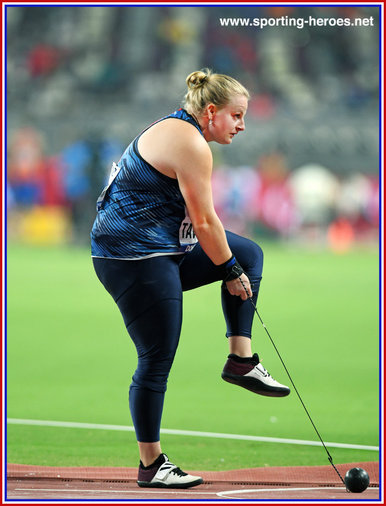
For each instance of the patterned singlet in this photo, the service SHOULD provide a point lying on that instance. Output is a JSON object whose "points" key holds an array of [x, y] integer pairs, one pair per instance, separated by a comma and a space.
{"points": [[141, 212]]}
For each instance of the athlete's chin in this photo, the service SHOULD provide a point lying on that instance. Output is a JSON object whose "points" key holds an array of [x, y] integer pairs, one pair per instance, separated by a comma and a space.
{"points": [[224, 139]]}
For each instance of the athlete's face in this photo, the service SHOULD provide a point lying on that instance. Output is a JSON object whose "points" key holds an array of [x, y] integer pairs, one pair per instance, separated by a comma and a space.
{"points": [[228, 121]]}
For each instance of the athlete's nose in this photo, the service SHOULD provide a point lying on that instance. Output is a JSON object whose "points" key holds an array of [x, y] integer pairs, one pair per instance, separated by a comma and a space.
{"points": [[241, 125]]}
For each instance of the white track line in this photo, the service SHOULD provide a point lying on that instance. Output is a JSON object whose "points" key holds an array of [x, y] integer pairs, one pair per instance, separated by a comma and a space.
{"points": [[228, 493], [283, 489], [176, 432]]}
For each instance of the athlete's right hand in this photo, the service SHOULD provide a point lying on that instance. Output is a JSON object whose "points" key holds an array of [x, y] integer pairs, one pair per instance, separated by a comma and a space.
{"points": [[235, 287]]}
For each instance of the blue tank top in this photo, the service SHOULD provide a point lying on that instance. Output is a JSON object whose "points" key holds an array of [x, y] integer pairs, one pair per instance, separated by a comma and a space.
{"points": [[141, 212]]}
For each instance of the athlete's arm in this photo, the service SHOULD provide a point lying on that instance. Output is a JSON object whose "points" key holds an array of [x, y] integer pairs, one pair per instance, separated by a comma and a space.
{"points": [[194, 179], [194, 172]]}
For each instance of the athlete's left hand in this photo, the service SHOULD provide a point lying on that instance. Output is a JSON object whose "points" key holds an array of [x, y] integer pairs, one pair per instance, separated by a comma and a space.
{"points": [[235, 287]]}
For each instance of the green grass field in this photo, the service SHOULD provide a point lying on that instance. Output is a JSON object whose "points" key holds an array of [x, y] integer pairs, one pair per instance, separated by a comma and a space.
{"points": [[69, 359]]}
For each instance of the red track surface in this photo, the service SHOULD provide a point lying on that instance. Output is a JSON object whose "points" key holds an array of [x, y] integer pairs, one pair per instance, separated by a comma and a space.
{"points": [[117, 483]]}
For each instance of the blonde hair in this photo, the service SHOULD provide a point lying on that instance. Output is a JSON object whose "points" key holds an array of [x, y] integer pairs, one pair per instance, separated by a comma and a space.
{"points": [[205, 87]]}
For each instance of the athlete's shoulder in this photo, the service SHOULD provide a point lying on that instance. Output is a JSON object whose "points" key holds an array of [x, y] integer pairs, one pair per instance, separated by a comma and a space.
{"points": [[172, 132], [179, 119], [171, 144], [187, 139]]}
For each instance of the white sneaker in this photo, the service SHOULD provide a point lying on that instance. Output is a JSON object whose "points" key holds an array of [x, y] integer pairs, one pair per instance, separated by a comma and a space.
{"points": [[163, 474], [250, 374]]}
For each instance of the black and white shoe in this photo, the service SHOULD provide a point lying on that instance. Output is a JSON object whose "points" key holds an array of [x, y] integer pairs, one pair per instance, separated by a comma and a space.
{"points": [[250, 374], [163, 474]]}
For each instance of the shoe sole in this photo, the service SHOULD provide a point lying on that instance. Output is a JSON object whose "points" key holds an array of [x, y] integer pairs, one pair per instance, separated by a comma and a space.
{"points": [[147, 484], [250, 384]]}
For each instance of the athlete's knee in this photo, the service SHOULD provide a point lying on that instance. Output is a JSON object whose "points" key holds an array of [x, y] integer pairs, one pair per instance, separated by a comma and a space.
{"points": [[252, 260], [147, 384], [248, 253], [255, 252], [153, 374]]}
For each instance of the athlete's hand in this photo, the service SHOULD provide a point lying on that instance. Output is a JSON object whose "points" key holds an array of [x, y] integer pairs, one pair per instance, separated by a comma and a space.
{"points": [[235, 287]]}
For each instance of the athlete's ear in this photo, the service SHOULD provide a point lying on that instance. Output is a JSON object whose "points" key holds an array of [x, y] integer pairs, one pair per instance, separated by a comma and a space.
{"points": [[211, 110]]}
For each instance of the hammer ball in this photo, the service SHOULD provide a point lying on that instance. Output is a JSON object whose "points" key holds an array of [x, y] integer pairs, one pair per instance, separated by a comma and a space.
{"points": [[356, 480]]}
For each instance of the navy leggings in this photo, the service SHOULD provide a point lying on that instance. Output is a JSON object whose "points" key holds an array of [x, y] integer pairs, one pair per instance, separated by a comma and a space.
{"points": [[149, 295]]}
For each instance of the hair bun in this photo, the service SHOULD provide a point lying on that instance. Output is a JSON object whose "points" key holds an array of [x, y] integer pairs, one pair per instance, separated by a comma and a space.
{"points": [[198, 78], [206, 87]]}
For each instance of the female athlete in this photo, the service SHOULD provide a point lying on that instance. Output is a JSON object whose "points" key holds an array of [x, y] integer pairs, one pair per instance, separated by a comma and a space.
{"points": [[157, 234]]}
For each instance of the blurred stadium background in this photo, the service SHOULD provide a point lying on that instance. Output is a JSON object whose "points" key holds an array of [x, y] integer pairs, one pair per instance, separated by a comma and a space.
{"points": [[83, 80]]}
